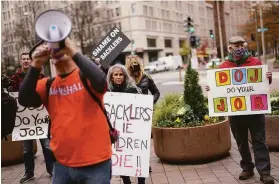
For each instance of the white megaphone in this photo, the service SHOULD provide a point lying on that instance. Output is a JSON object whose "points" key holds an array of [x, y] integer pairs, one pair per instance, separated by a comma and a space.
{"points": [[53, 26]]}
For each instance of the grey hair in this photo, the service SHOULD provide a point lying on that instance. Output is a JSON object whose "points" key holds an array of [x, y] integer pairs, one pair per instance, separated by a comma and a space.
{"points": [[129, 81]]}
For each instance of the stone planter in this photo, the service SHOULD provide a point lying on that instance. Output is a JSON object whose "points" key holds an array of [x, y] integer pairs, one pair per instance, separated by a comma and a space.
{"points": [[276, 65], [194, 144], [271, 132], [12, 151]]}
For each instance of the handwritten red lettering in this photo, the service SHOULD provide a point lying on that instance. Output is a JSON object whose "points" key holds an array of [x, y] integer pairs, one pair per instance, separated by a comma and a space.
{"points": [[259, 102], [223, 77], [221, 106], [238, 103], [238, 75], [256, 76]]}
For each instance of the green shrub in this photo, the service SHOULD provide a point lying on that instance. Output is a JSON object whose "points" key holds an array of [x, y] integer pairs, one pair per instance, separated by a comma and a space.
{"points": [[164, 109], [193, 95], [274, 100]]}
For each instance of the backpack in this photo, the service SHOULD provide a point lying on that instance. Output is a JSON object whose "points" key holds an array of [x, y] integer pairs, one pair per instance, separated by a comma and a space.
{"points": [[8, 111], [114, 135]]}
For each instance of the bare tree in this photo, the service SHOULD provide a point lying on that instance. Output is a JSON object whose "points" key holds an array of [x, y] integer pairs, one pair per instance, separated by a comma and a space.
{"points": [[90, 23], [25, 32]]}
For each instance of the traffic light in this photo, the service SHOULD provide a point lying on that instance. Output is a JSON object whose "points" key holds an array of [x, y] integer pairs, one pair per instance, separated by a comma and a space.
{"points": [[198, 41], [211, 34], [253, 37], [193, 41], [188, 25]]}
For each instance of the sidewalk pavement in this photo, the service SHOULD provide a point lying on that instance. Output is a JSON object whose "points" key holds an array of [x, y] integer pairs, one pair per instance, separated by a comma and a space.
{"points": [[222, 171]]}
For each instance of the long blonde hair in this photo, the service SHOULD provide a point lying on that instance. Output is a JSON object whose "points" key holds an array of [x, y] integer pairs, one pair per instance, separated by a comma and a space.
{"points": [[134, 59]]}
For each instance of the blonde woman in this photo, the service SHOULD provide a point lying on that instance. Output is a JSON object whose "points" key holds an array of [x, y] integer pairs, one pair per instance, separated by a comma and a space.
{"points": [[143, 81]]}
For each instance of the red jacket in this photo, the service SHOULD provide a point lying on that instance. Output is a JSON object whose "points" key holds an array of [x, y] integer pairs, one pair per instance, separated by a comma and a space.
{"points": [[17, 79], [250, 61]]}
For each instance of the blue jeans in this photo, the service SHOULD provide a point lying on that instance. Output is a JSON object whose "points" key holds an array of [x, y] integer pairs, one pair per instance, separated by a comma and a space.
{"points": [[94, 174], [28, 156]]}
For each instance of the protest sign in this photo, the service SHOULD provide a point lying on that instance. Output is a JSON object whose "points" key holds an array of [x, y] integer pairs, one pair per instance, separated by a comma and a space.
{"points": [[131, 115], [30, 123], [110, 46], [238, 91]]}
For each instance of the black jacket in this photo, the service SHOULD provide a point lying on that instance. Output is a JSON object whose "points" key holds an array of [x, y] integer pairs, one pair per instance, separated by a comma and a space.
{"points": [[146, 84], [123, 89]]}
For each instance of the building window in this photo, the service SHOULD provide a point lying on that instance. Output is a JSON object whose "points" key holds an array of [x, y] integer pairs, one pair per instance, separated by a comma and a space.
{"points": [[117, 12], [167, 14], [147, 24], [151, 42], [163, 13], [151, 11], [108, 13], [145, 10], [168, 43], [154, 25]]}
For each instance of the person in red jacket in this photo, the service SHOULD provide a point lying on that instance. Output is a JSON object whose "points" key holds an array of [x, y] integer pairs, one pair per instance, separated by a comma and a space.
{"points": [[239, 56]]}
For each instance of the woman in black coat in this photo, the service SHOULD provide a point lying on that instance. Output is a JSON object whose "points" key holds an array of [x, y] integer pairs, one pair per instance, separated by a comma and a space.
{"points": [[143, 81], [120, 81]]}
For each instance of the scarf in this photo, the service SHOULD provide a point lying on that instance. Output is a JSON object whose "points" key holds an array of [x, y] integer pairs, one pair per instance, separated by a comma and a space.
{"points": [[241, 61]]}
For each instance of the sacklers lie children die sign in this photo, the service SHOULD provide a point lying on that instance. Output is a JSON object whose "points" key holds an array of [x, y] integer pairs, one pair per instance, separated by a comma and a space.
{"points": [[238, 91], [131, 115]]}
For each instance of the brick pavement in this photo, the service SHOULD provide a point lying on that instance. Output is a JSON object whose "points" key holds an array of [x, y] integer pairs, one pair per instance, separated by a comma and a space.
{"points": [[225, 171]]}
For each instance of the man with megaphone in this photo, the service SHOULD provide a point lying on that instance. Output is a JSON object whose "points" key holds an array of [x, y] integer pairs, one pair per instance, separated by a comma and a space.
{"points": [[80, 137]]}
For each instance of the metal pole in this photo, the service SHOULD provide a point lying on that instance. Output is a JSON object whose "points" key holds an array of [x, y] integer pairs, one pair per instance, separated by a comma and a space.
{"points": [[257, 39], [220, 31], [262, 34], [130, 25]]}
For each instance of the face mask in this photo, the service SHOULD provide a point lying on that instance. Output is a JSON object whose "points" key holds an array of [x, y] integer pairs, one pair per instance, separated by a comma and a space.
{"points": [[135, 68], [239, 52]]}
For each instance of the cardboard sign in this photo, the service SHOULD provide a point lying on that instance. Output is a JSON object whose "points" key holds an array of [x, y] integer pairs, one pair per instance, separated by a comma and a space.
{"points": [[110, 46], [131, 115], [30, 123], [238, 91]]}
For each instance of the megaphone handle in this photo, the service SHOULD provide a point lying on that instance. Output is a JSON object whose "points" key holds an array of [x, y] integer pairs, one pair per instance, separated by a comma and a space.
{"points": [[33, 48], [62, 44]]}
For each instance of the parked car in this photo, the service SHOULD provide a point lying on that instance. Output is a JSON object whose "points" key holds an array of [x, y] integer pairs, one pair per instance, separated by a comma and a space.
{"points": [[172, 62], [213, 63], [156, 66]]}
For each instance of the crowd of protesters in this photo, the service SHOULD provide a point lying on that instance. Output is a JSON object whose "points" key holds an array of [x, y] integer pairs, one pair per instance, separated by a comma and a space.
{"points": [[80, 147]]}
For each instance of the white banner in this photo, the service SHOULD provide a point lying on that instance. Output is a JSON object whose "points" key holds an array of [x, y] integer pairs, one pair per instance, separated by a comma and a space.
{"points": [[238, 91], [30, 123], [131, 115]]}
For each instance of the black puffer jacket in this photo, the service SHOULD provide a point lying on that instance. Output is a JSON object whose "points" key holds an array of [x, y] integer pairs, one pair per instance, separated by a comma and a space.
{"points": [[147, 84]]}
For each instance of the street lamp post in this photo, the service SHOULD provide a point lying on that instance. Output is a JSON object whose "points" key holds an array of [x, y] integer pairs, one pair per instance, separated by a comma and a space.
{"points": [[130, 25], [257, 39], [262, 32], [220, 32]]}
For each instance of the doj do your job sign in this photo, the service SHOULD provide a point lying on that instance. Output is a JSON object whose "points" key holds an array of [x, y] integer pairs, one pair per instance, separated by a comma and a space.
{"points": [[131, 115], [238, 91], [30, 123]]}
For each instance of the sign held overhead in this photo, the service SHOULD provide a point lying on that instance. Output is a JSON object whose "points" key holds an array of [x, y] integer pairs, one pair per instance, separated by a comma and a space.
{"points": [[110, 46]]}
